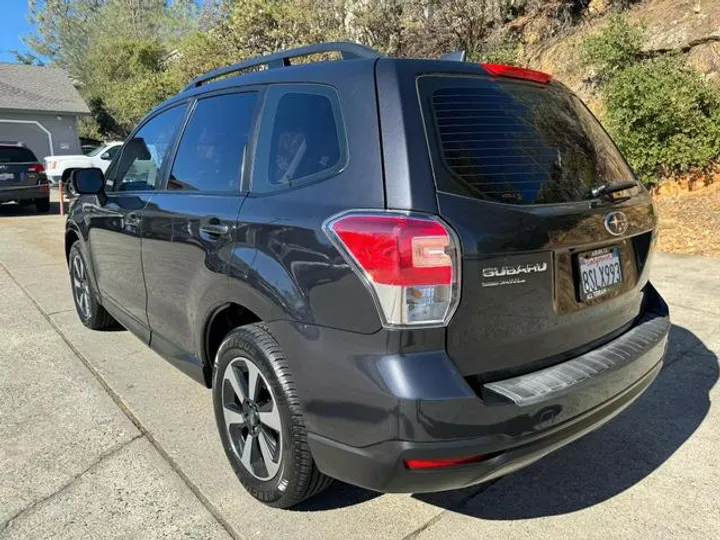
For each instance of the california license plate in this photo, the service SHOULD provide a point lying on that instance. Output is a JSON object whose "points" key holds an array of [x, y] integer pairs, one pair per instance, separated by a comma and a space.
{"points": [[7, 176], [599, 271]]}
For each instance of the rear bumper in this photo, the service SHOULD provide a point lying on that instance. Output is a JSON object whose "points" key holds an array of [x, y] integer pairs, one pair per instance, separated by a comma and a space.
{"points": [[367, 410], [381, 467], [24, 193]]}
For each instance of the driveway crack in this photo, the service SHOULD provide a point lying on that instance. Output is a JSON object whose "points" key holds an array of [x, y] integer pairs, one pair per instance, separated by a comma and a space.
{"points": [[195, 489], [102, 457]]}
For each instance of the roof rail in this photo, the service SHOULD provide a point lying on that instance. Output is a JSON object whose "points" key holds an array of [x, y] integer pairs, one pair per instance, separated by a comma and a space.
{"points": [[348, 51]]}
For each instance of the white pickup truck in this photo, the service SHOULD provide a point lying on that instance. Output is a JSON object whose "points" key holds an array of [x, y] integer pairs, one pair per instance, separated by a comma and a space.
{"points": [[59, 168]]}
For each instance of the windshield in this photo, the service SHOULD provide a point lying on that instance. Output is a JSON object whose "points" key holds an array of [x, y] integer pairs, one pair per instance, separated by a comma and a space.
{"points": [[16, 154], [97, 151], [515, 142]]}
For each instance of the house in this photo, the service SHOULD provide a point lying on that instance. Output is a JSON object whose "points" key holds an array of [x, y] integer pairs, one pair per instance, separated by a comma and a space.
{"points": [[39, 106]]}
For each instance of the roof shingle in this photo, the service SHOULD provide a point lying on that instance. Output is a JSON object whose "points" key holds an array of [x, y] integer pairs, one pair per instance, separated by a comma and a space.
{"points": [[36, 88]]}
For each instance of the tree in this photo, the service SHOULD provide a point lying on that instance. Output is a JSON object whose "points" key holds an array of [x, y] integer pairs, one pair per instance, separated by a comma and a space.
{"points": [[63, 34], [27, 58], [115, 51]]}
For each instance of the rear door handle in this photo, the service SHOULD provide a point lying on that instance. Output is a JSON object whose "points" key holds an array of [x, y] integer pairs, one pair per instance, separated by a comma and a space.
{"points": [[214, 227]]}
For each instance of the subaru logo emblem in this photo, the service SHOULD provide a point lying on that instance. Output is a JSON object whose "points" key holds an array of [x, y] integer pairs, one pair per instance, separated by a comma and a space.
{"points": [[616, 223]]}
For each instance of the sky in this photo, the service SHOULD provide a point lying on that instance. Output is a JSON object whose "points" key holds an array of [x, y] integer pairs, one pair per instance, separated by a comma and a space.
{"points": [[14, 25]]}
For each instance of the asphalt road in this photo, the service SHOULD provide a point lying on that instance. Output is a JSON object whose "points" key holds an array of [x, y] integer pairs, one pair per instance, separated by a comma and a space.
{"points": [[100, 438]]}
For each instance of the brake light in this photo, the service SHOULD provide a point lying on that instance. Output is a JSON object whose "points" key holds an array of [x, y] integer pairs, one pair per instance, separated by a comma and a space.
{"points": [[410, 264], [37, 168], [502, 70], [441, 462]]}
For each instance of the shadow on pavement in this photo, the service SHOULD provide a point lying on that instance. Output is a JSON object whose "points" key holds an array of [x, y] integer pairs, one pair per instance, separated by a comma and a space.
{"points": [[339, 495], [596, 467], [19, 210], [617, 456]]}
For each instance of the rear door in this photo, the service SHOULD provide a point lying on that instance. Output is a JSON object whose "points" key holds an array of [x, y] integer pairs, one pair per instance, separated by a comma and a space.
{"points": [[19, 168], [548, 270], [189, 223]]}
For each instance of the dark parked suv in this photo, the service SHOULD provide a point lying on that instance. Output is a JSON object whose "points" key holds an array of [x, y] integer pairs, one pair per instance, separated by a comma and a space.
{"points": [[22, 177], [410, 275]]}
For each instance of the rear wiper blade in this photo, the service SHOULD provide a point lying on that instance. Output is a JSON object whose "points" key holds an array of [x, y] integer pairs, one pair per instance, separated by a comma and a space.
{"points": [[608, 188]]}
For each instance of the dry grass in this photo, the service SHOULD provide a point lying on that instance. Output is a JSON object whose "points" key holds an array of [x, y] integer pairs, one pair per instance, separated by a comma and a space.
{"points": [[689, 217]]}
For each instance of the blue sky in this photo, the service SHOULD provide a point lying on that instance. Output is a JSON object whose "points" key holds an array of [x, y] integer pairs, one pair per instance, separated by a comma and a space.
{"points": [[14, 25]]}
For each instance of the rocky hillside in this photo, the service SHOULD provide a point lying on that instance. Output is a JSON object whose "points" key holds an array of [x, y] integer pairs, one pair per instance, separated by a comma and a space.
{"points": [[691, 26]]}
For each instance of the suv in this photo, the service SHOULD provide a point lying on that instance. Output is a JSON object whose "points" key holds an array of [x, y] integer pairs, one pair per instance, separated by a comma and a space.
{"points": [[410, 275], [22, 177]]}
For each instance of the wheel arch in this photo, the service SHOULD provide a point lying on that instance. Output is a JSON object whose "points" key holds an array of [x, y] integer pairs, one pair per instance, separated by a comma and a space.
{"points": [[219, 323], [71, 236]]}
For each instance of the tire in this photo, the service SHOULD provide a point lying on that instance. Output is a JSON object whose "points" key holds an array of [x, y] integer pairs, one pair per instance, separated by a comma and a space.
{"points": [[89, 310], [297, 477], [69, 189], [42, 205]]}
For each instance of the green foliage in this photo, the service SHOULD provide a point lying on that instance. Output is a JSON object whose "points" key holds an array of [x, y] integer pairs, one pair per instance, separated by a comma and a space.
{"points": [[505, 52], [664, 116], [130, 78], [115, 52], [614, 48]]}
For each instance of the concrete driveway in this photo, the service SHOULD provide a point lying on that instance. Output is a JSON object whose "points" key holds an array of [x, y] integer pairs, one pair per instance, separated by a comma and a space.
{"points": [[100, 438]]}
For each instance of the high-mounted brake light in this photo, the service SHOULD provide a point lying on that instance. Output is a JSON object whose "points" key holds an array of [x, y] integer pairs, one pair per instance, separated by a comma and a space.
{"points": [[502, 70], [37, 168], [409, 262]]}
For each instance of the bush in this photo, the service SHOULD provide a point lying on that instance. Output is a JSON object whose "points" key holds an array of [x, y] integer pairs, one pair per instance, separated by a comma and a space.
{"points": [[614, 48], [665, 117]]}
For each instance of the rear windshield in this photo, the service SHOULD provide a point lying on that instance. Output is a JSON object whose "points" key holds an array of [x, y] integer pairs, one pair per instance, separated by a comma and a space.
{"points": [[16, 154], [515, 142]]}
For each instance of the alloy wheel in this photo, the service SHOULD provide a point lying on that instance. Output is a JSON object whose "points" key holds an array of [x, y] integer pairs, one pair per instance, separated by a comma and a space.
{"points": [[81, 287], [252, 418]]}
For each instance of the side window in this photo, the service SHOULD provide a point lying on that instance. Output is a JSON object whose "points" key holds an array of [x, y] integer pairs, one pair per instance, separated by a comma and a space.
{"points": [[214, 144], [139, 165], [111, 152], [302, 137]]}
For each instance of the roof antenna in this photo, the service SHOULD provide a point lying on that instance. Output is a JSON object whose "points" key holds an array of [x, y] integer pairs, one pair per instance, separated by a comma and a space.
{"points": [[455, 56]]}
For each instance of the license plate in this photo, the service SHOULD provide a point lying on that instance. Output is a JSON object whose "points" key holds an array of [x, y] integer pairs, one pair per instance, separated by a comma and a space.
{"points": [[7, 176], [600, 270]]}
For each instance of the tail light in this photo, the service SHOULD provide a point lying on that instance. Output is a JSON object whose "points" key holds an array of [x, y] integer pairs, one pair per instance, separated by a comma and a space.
{"points": [[502, 70], [37, 168], [410, 264]]}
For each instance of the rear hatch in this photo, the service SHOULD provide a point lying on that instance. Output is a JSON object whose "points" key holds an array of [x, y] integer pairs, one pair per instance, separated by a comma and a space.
{"points": [[18, 168], [548, 269]]}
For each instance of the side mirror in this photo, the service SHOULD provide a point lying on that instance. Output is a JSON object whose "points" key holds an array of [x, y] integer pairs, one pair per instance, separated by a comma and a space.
{"points": [[88, 181], [105, 156]]}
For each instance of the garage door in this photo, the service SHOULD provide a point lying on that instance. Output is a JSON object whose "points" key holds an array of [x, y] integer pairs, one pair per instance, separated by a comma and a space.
{"points": [[31, 134]]}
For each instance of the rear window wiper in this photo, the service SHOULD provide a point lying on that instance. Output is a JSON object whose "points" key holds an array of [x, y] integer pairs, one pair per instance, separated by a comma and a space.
{"points": [[606, 189]]}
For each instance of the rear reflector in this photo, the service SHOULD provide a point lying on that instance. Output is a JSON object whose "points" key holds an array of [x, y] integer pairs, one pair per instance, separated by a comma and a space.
{"points": [[502, 70], [441, 462], [409, 262]]}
